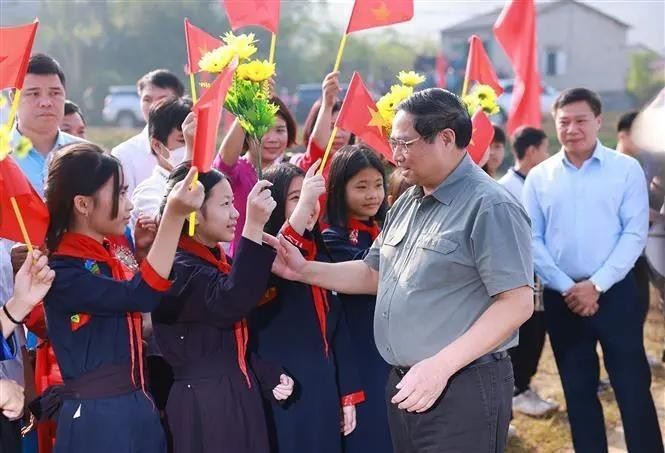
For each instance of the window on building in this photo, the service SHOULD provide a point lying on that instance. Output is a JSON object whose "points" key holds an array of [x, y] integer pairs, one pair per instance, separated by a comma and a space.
{"points": [[555, 62]]}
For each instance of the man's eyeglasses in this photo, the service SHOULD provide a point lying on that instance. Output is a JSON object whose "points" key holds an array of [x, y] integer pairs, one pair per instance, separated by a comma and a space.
{"points": [[397, 144]]}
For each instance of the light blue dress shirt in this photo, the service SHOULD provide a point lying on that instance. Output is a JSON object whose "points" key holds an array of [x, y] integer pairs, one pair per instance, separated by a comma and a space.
{"points": [[587, 223]]}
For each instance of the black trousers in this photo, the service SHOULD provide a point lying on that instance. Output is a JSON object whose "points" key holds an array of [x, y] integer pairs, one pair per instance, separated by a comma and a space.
{"points": [[10, 435], [641, 273], [618, 327], [472, 414], [526, 355]]}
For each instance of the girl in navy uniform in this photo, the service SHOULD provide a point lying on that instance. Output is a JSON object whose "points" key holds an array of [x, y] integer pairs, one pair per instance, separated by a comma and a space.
{"points": [[303, 328], [356, 201], [215, 402], [93, 308]]}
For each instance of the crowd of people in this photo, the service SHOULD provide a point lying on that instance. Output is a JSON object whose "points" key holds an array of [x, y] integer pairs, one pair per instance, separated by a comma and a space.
{"points": [[351, 308]]}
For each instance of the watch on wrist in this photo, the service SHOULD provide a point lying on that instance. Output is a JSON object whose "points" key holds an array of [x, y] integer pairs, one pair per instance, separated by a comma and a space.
{"points": [[598, 288]]}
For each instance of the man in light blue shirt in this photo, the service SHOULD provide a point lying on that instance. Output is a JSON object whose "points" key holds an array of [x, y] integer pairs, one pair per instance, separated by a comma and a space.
{"points": [[589, 213]]}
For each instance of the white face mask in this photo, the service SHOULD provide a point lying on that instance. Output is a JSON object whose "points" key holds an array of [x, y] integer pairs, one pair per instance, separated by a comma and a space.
{"points": [[177, 155]]}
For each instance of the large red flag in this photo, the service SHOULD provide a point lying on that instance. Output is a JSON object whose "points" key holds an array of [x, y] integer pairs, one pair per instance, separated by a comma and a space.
{"points": [[208, 113], [264, 13], [15, 49], [479, 67], [198, 44], [377, 13], [13, 183], [515, 29], [441, 67], [481, 135], [360, 116]]}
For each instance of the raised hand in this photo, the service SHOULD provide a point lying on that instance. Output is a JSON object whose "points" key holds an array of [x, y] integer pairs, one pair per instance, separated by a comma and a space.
{"points": [[260, 205], [284, 389], [330, 89], [184, 198], [33, 280], [188, 132]]}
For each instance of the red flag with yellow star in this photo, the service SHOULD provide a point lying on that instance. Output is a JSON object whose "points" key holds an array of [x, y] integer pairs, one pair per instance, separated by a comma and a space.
{"points": [[481, 136], [15, 49], [479, 67], [199, 43], [377, 13], [264, 13], [360, 116]]}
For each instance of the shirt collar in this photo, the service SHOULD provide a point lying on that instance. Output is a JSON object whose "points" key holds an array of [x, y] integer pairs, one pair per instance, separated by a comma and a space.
{"points": [[597, 155], [60, 140], [161, 172], [445, 193]]}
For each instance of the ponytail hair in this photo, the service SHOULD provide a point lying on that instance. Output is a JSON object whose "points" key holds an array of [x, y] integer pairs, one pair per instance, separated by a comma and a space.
{"points": [[77, 169]]}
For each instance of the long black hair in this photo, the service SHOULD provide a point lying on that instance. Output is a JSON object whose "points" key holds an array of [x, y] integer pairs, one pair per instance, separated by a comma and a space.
{"points": [[208, 180], [348, 162], [77, 169], [281, 176]]}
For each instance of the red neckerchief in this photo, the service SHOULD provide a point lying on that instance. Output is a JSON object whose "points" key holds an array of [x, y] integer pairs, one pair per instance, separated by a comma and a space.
{"points": [[354, 226], [84, 247], [239, 328], [319, 294]]}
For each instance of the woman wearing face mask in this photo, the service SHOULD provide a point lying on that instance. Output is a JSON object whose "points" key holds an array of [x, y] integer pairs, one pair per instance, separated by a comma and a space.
{"points": [[241, 171]]}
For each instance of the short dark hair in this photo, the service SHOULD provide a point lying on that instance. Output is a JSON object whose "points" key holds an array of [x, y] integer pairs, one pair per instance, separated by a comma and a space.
{"points": [[347, 163], [573, 95], [162, 78], [525, 137], [71, 108], [436, 109], [625, 123], [499, 135], [166, 115], [42, 64]]}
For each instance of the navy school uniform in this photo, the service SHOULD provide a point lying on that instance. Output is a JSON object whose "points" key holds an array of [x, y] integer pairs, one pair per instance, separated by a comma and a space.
{"points": [[372, 433], [287, 330], [215, 402], [87, 319]]}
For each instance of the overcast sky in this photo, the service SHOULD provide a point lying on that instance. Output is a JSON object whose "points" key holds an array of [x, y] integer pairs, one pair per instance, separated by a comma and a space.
{"points": [[646, 17]]}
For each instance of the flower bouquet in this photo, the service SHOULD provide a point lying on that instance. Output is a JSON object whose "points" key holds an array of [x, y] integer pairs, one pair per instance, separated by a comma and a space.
{"points": [[388, 103]]}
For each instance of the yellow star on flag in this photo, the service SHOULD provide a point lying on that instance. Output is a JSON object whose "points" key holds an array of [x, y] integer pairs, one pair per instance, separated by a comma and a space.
{"points": [[377, 120], [382, 13]]}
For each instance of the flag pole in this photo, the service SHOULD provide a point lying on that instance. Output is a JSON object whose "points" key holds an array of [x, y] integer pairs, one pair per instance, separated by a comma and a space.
{"points": [[21, 224], [12, 112], [273, 44], [192, 85], [340, 52], [192, 215], [328, 148]]}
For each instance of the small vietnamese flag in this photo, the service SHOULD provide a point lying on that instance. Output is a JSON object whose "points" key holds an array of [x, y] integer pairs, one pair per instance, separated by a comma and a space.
{"points": [[479, 67], [13, 183], [377, 13], [15, 48], [208, 113], [481, 136], [360, 116], [264, 13], [198, 44]]}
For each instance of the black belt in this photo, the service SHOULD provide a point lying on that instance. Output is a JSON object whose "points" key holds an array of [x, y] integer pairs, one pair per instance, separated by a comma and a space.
{"points": [[482, 360], [106, 381]]}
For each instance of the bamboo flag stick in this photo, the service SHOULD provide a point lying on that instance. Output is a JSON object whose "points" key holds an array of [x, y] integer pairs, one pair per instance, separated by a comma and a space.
{"points": [[339, 53], [273, 44], [21, 224], [328, 148]]}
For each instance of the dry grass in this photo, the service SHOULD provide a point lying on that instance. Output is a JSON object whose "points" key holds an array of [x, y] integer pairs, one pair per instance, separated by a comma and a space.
{"points": [[552, 434]]}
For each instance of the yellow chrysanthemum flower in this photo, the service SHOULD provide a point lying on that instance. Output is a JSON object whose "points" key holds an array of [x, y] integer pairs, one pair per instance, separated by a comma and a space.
{"points": [[410, 78], [242, 45], [256, 70], [23, 147], [401, 92], [217, 60], [5, 144], [386, 106]]}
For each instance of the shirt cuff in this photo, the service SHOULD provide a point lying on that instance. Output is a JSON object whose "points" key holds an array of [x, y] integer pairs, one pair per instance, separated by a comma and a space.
{"points": [[305, 245], [353, 399], [560, 283], [602, 281], [152, 278]]}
